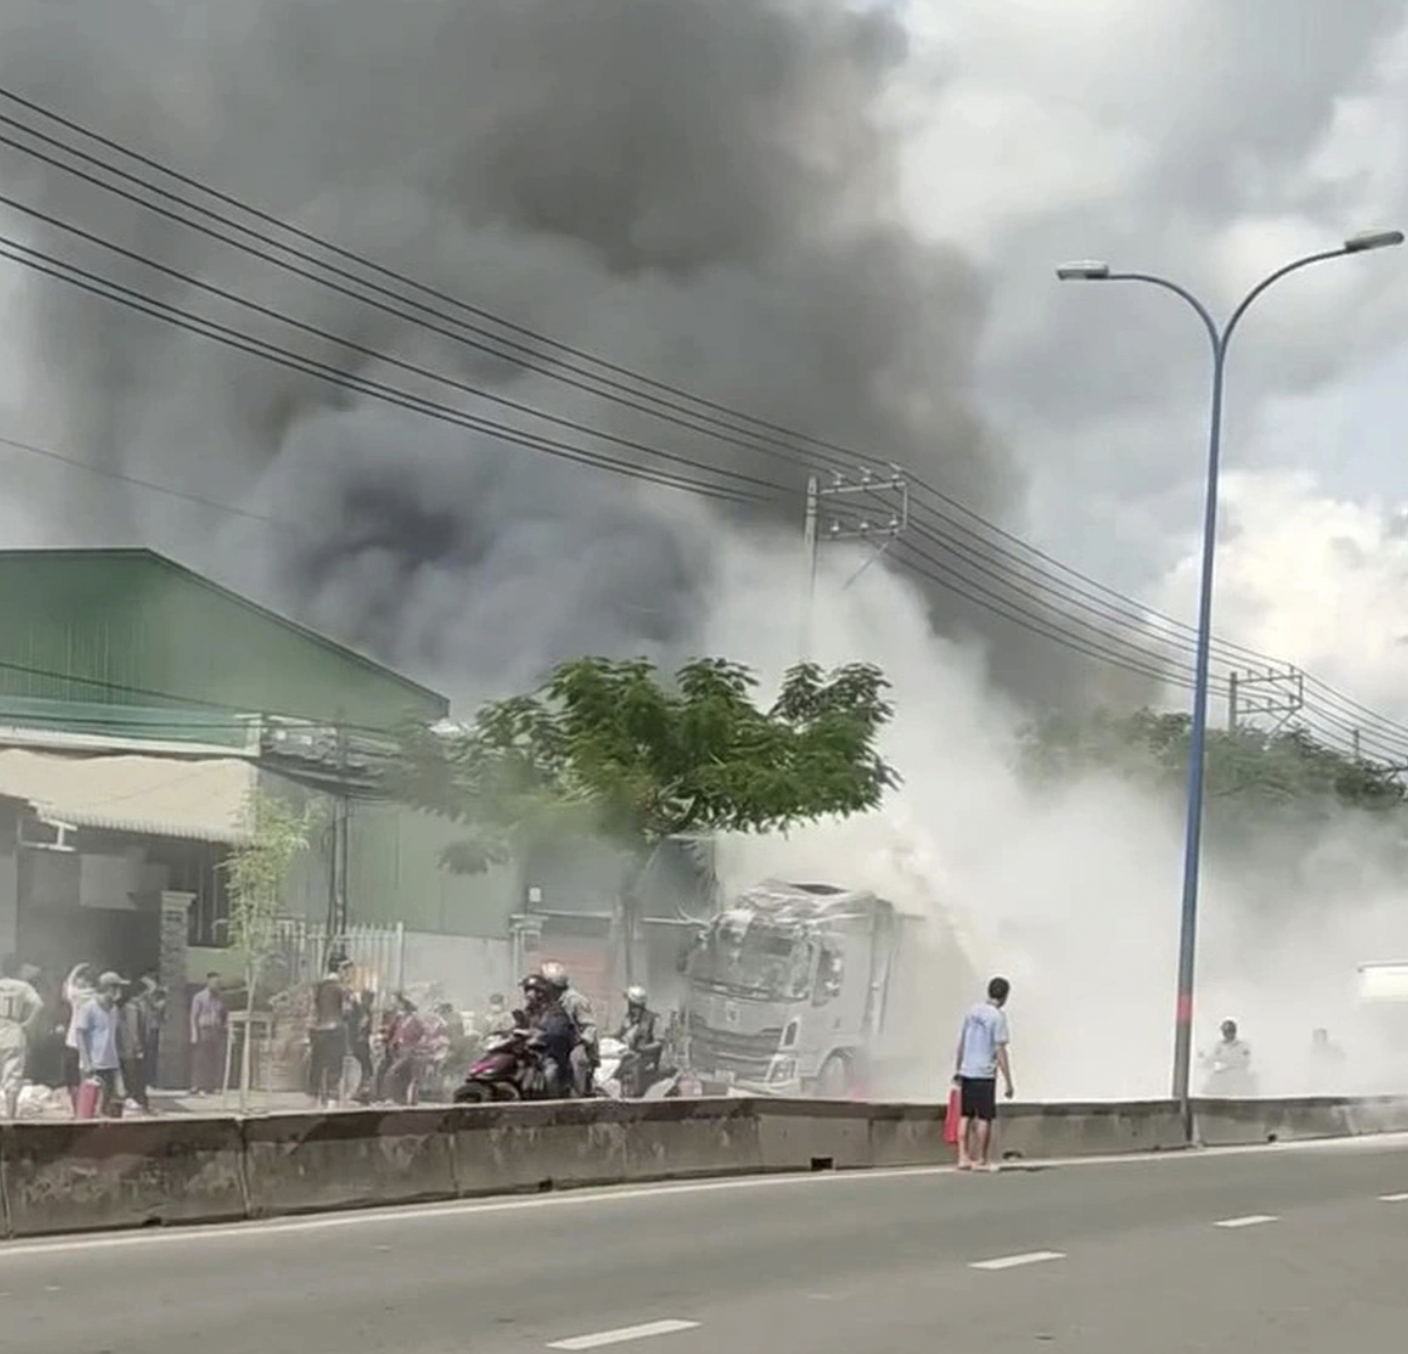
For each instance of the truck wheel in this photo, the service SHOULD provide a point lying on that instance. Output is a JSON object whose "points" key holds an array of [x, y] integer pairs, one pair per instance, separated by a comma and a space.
{"points": [[834, 1080]]}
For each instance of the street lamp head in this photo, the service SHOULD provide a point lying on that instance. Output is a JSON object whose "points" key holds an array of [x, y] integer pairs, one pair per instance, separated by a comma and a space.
{"points": [[1372, 239], [1088, 270]]}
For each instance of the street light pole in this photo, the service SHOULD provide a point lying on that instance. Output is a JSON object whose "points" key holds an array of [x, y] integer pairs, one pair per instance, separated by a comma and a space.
{"points": [[1219, 338]]}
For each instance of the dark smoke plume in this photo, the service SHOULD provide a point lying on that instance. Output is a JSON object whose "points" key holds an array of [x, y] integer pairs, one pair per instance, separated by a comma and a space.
{"points": [[697, 188]]}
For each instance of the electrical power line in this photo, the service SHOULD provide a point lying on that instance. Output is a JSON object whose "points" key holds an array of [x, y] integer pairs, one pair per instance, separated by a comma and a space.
{"points": [[1017, 558], [144, 303], [1146, 617]]}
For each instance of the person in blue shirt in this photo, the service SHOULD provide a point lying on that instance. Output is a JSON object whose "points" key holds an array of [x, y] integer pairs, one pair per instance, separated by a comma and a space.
{"points": [[982, 1054]]}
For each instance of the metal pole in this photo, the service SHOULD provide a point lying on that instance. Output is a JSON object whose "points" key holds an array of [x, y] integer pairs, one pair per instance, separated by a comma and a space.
{"points": [[1220, 339], [1231, 702], [809, 547], [1197, 751]]}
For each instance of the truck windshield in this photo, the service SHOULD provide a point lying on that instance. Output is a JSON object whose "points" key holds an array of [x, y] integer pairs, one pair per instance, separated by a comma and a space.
{"points": [[760, 962]]}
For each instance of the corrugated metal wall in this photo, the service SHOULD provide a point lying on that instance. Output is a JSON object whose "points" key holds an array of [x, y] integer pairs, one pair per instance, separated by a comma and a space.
{"points": [[394, 874], [127, 627]]}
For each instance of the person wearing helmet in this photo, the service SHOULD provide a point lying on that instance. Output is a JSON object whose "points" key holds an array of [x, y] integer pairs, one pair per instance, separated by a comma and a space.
{"points": [[1229, 1065], [640, 1032], [542, 1007], [587, 1055]]}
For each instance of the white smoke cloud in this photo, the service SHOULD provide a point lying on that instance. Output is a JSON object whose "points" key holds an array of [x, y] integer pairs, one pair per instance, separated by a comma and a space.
{"points": [[1205, 141], [1072, 892], [1316, 579]]}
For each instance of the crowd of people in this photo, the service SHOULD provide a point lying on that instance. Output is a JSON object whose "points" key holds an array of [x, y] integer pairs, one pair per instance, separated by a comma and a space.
{"points": [[94, 1036], [399, 1054], [92, 1041]]}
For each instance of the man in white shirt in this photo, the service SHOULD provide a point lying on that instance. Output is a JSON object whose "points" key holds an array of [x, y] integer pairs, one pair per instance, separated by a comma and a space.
{"points": [[20, 1006], [982, 1054]]}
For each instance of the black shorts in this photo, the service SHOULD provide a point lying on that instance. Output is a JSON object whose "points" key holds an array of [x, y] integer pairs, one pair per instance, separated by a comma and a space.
{"points": [[978, 1097]]}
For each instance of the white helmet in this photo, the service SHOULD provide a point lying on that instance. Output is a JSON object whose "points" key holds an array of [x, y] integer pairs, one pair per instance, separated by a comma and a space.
{"points": [[636, 995], [556, 974]]}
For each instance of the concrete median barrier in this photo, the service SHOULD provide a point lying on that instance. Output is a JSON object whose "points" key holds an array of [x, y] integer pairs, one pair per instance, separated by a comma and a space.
{"points": [[680, 1139], [809, 1135], [82, 1177], [1243, 1123], [1089, 1130], [507, 1149], [908, 1135], [85, 1177], [298, 1163]]}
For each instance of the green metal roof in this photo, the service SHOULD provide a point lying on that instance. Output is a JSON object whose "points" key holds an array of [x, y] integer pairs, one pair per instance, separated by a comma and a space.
{"points": [[130, 627]]}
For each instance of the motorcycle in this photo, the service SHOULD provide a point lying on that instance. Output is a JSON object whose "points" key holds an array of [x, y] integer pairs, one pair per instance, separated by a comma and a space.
{"points": [[510, 1066], [617, 1071]]}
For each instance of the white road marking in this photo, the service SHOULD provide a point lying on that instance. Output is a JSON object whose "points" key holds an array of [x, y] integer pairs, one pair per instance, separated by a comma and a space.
{"points": [[1251, 1220], [1015, 1261], [620, 1195], [624, 1334], [1393, 1198]]}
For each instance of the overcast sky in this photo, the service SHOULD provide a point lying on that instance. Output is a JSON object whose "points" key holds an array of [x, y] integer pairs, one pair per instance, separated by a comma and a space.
{"points": [[1205, 139], [1210, 142]]}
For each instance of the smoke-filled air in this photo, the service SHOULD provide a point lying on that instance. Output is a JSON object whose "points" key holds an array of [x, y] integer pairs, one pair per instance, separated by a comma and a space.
{"points": [[710, 193]]}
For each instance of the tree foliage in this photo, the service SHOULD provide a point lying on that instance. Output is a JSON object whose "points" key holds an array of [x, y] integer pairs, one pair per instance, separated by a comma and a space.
{"points": [[275, 834], [1249, 773], [609, 747]]}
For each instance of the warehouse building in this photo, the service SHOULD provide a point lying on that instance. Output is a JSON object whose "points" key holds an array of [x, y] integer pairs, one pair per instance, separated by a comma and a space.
{"points": [[140, 704]]}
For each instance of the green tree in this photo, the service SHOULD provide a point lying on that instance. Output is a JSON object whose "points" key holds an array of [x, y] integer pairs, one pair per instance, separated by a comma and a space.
{"points": [[610, 748], [275, 833], [1252, 776]]}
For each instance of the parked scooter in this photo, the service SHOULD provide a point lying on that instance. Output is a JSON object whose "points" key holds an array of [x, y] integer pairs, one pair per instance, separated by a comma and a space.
{"points": [[621, 1076], [510, 1066]]}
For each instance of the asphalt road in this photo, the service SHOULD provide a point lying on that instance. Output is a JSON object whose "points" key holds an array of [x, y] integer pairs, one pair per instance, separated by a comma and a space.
{"points": [[1108, 1258]]}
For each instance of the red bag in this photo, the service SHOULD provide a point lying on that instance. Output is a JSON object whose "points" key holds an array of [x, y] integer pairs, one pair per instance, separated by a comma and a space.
{"points": [[954, 1117]]}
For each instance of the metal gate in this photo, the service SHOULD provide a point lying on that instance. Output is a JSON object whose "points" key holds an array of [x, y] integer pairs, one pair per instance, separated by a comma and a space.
{"points": [[378, 955]]}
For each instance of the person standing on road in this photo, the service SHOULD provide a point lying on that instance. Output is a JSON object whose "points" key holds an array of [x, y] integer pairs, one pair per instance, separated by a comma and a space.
{"points": [[208, 1019], [982, 1054], [76, 991], [20, 1007], [95, 1026], [153, 999], [327, 1035], [131, 1049], [498, 1019], [361, 1021]]}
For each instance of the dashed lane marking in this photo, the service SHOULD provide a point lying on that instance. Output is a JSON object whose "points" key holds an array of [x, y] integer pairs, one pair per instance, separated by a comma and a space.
{"points": [[1393, 1198], [1251, 1220], [1016, 1261], [624, 1334]]}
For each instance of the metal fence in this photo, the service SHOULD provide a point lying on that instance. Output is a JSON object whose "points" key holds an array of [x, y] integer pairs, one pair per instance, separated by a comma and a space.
{"points": [[378, 954]]}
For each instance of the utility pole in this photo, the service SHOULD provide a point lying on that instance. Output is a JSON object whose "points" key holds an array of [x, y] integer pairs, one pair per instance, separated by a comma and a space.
{"points": [[809, 552], [1277, 696], [868, 507], [338, 854]]}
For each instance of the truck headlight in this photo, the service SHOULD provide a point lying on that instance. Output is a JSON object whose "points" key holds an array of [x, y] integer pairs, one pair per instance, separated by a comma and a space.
{"points": [[783, 1069]]}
